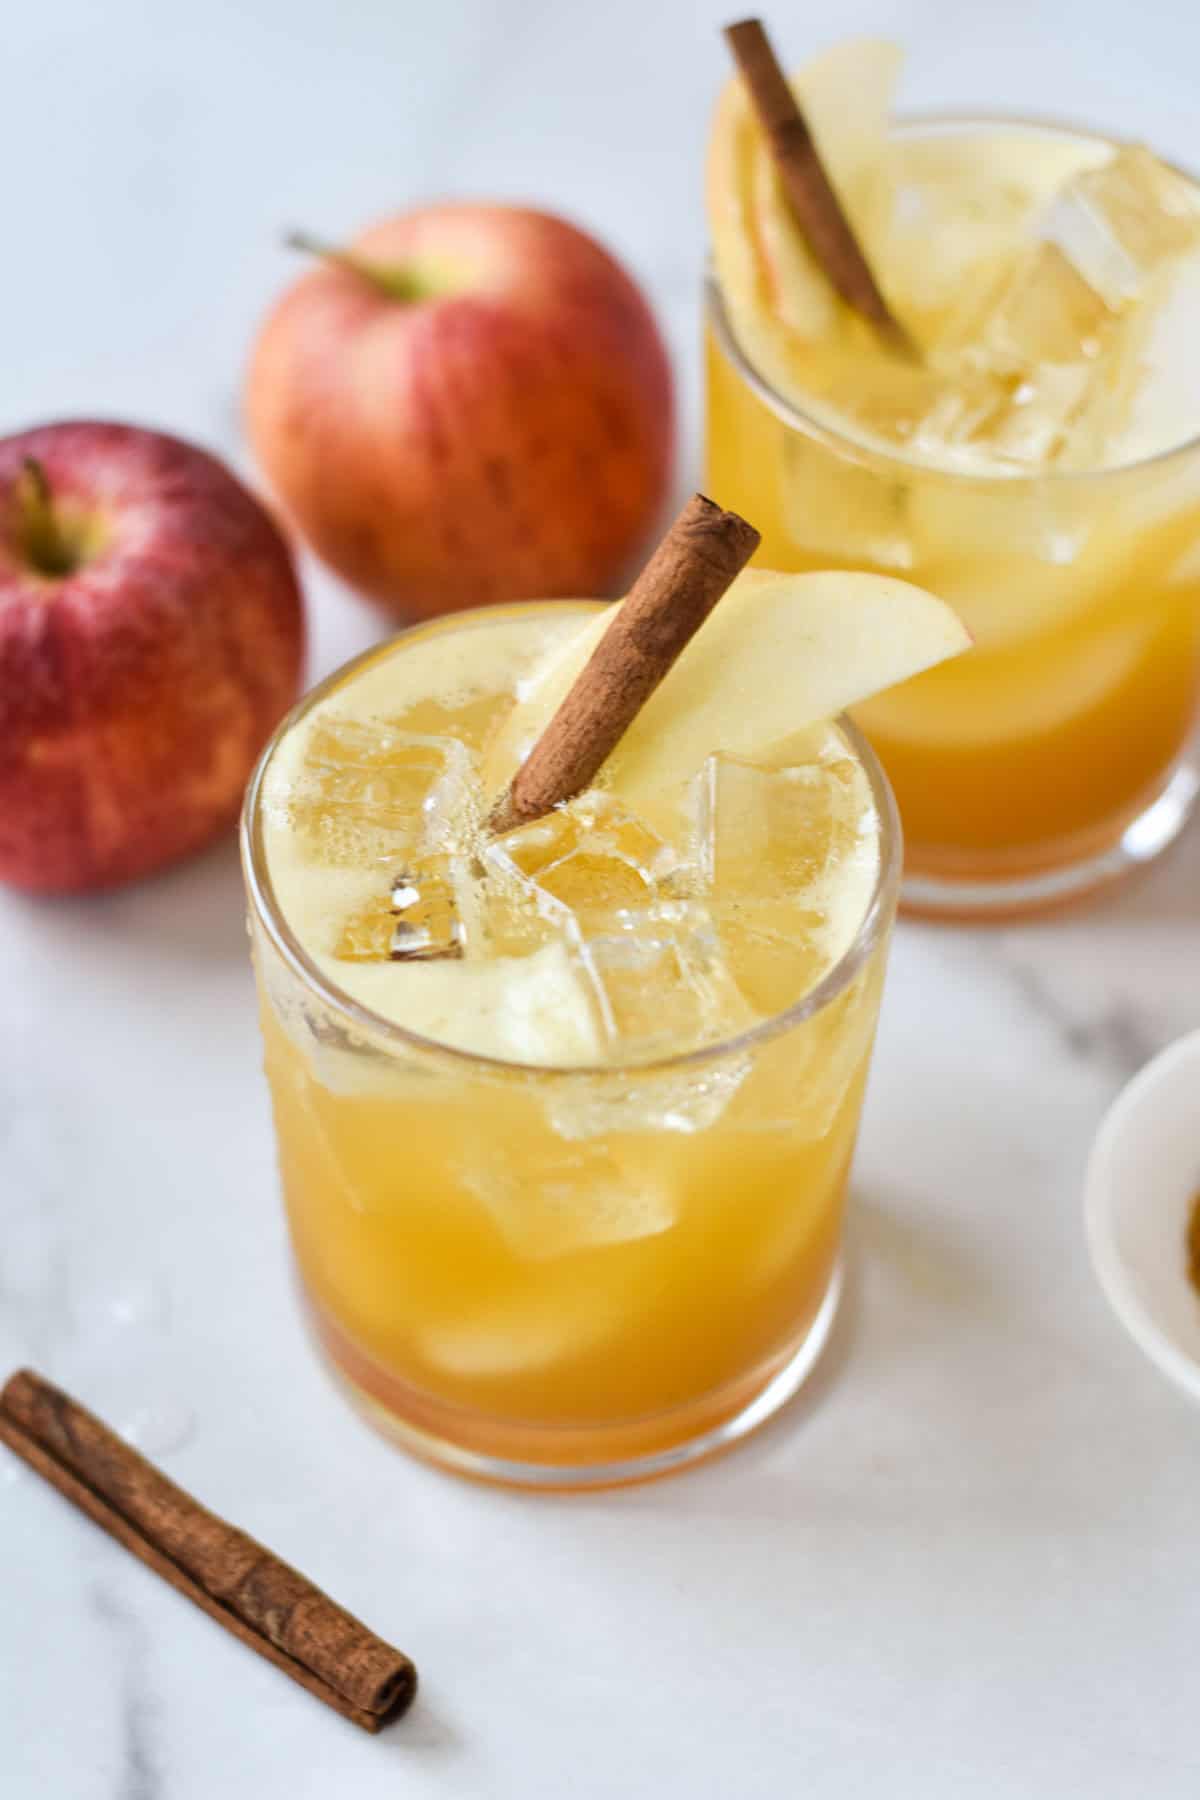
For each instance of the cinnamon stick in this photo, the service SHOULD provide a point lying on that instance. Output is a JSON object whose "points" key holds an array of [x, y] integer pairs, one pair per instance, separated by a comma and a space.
{"points": [[809, 191], [258, 1598], [686, 576]]}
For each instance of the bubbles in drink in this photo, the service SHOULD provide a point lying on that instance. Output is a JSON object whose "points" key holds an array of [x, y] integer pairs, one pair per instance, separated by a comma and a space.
{"points": [[661, 939], [670, 945]]}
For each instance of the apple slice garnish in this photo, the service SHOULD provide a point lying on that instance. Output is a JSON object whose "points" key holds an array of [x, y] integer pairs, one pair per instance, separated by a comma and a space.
{"points": [[846, 94], [752, 285], [775, 293], [779, 654]]}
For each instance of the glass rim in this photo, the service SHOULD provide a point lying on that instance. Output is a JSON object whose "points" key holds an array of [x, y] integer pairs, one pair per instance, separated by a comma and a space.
{"points": [[261, 894], [865, 449]]}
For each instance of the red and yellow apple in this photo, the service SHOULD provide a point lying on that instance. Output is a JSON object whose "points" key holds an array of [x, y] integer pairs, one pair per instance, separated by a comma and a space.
{"points": [[151, 636], [471, 404]]}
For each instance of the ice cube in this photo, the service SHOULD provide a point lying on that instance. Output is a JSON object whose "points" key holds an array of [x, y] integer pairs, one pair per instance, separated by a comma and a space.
{"points": [[947, 246], [1065, 414], [366, 933], [661, 982], [554, 1199], [576, 871], [358, 1070], [425, 912], [367, 794], [529, 1325], [1162, 412], [1027, 417], [1020, 368], [846, 511], [1046, 312], [988, 534], [536, 1008], [681, 1100], [1121, 223], [422, 913], [791, 856], [764, 828], [1048, 371]]}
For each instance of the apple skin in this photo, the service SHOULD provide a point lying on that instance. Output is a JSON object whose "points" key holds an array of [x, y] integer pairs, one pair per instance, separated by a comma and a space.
{"points": [[508, 437], [137, 690]]}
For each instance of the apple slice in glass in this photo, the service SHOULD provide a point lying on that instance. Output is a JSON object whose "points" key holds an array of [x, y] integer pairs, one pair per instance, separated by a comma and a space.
{"points": [[779, 653], [774, 291]]}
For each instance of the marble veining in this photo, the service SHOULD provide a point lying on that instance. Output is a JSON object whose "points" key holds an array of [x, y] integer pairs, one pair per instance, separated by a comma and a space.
{"points": [[140, 1776], [1115, 1037]]}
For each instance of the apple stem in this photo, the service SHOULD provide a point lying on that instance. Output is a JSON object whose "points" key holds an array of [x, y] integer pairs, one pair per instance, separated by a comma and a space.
{"points": [[48, 547], [396, 283]]}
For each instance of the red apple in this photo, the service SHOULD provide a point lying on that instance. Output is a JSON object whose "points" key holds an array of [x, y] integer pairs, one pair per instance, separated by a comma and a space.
{"points": [[471, 404], [151, 636]]}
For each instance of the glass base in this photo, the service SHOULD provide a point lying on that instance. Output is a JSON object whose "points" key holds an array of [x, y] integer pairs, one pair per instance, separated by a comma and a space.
{"points": [[1001, 896], [677, 1441]]}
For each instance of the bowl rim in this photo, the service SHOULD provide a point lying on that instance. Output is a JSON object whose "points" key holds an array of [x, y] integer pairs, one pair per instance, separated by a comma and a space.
{"points": [[1108, 1265]]}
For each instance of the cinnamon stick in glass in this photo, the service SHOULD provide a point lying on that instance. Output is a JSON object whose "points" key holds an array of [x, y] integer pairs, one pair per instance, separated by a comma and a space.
{"points": [[258, 1598], [674, 594], [809, 191]]}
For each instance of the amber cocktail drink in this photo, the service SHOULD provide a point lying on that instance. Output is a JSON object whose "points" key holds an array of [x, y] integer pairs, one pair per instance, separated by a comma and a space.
{"points": [[1036, 465], [566, 1192]]}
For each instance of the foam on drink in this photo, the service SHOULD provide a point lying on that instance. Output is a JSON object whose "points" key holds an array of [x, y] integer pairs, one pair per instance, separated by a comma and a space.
{"points": [[585, 937]]}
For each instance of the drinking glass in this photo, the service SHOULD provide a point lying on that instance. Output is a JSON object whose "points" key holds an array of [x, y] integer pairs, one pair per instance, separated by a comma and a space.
{"points": [[1060, 752], [564, 1276]]}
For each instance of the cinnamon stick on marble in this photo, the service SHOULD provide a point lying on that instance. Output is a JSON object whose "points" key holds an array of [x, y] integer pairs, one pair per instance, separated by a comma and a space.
{"points": [[809, 191], [686, 576], [258, 1598]]}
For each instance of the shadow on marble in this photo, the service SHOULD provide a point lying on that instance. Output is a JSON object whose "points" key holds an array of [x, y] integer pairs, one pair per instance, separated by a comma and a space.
{"points": [[1166, 891], [195, 911], [920, 1257], [938, 1282], [423, 1731]]}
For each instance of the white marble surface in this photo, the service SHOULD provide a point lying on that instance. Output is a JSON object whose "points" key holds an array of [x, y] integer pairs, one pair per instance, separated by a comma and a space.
{"points": [[965, 1564]]}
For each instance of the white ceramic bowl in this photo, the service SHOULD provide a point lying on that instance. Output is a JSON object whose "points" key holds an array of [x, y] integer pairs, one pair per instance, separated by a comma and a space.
{"points": [[1143, 1175]]}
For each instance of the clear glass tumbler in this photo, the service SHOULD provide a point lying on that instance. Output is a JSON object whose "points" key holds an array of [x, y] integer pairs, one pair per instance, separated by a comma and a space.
{"points": [[564, 1276], [1060, 753]]}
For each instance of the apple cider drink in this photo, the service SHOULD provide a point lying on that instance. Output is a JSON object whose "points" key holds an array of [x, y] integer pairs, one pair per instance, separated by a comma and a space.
{"points": [[564, 1112], [1035, 463]]}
